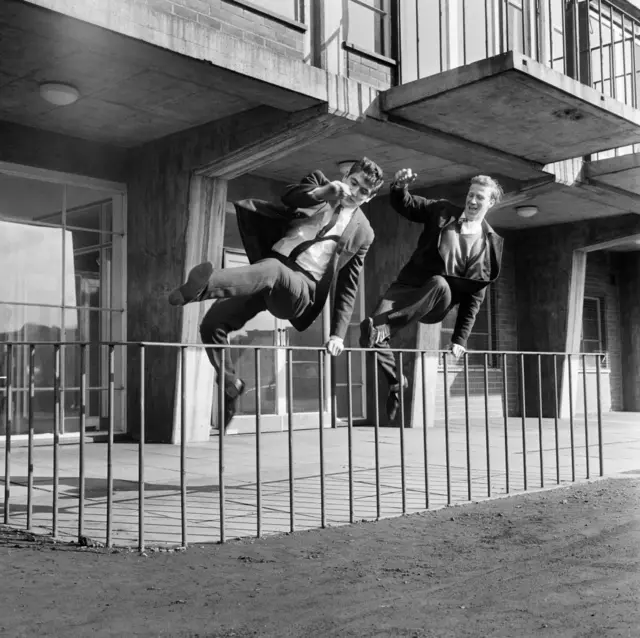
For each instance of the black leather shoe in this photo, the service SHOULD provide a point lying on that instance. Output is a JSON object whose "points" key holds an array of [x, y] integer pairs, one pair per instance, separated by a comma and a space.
{"points": [[195, 285], [393, 399], [371, 335], [231, 397]]}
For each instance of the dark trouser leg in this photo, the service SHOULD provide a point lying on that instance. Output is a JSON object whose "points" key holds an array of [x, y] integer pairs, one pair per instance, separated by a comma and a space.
{"points": [[402, 305], [243, 293]]}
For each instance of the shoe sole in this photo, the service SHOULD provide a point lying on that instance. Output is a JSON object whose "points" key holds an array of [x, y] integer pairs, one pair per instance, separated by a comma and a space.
{"points": [[196, 281]]}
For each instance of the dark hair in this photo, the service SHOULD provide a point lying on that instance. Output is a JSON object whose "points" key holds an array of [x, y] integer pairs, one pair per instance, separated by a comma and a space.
{"points": [[372, 172], [496, 189]]}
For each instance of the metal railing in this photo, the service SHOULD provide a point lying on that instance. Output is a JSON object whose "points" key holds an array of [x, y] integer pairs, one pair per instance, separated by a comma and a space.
{"points": [[362, 472]]}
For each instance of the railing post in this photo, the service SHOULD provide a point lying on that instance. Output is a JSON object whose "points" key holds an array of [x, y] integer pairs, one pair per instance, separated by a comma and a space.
{"points": [[376, 430], [424, 428], [524, 421], [556, 416], [183, 444], [403, 478], [8, 427], [541, 450], [56, 436], [467, 424], [258, 443], [571, 432], [83, 429], [598, 390], [350, 432], [446, 426], [486, 421], [32, 397], [586, 414], [505, 413], [110, 443], [321, 369], [141, 450], [221, 438]]}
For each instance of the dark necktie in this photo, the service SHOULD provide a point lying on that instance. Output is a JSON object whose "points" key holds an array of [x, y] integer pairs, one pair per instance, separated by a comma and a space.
{"points": [[321, 236]]}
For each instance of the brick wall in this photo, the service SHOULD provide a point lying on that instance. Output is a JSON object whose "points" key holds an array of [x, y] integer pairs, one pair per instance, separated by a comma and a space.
{"points": [[364, 68], [238, 20]]}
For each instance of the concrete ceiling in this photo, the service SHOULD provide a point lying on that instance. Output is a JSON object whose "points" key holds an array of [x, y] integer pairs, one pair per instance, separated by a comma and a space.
{"points": [[518, 106], [131, 92]]}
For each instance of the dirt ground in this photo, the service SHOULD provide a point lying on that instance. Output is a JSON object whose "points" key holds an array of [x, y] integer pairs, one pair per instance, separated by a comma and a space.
{"points": [[560, 563]]}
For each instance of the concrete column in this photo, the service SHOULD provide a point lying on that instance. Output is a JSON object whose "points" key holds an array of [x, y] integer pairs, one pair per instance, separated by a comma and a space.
{"points": [[204, 242], [630, 327], [427, 385]]}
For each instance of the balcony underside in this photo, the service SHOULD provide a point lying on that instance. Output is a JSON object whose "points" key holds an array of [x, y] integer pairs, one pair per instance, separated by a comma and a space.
{"points": [[518, 106]]}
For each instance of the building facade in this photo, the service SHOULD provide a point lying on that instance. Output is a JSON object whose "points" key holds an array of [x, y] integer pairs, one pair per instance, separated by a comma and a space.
{"points": [[128, 127]]}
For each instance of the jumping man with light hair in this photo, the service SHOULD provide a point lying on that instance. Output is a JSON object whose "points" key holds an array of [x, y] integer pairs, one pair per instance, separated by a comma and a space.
{"points": [[458, 255]]}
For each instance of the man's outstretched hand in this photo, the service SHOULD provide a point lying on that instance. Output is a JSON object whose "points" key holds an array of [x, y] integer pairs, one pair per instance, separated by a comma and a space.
{"points": [[334, 346], [333, 191], [457, 351], [404, 177]]}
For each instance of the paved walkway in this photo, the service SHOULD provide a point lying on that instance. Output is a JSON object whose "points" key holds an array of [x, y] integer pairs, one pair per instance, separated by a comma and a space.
{"points": [[348, 496]]}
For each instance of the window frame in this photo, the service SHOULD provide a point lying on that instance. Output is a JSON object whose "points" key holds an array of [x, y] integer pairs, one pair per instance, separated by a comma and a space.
{"points": [[602, 332], [386, 33]]}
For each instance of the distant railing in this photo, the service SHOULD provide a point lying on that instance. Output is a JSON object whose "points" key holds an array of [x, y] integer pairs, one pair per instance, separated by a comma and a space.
{"points": [[461, 461]]}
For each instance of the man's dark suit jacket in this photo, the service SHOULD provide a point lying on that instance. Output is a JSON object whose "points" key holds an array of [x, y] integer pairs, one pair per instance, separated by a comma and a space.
{"points": [[262, 224], [427, 261]]}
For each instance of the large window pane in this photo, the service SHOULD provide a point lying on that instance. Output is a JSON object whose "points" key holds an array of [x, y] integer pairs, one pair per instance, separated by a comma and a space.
{"points": [[287, 8], [28, 199], [475, 30], [429, 43], [366, 26]]}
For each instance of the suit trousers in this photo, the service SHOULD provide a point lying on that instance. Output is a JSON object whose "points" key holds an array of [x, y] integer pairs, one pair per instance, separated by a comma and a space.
{"points": [[269, 284], [403, 304]]}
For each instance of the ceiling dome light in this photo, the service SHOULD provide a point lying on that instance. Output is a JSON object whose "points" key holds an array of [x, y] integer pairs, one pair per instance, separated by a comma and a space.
{"points": [[58, 93], [526, 211]]}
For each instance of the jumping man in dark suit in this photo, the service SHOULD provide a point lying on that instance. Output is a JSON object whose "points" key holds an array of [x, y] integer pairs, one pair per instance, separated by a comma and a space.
{"points": [[458, 255], [296, 251]]}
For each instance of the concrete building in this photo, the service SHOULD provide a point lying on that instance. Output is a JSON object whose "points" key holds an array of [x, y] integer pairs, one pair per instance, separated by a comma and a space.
{"points": [[128, 126]]}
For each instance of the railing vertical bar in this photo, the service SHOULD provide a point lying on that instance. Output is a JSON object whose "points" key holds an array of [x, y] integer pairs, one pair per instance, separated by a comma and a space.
{"points": [[556, 416], [8, 427], [634, 77], [183, 443], [524, 421], [564, 41], [425, 425], [600, 447], [221, 439], [541, 449], [83, 429], [601, 44], [56, 436], [550, 33], [571, 432], [258, 376], [403, 472], [624, 60], [612, 56], [111, 373], [376, 430], [586, 414], [486, 31], [505, 414], [32, 398], [467, 424], [464, 31], [446, 426], [292, 512], [141, 450], [321, 399], [350, 431], [487, 428]]}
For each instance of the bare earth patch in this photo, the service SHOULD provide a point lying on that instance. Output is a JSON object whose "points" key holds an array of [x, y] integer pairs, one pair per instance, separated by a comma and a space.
{"points": [[560, 563]]}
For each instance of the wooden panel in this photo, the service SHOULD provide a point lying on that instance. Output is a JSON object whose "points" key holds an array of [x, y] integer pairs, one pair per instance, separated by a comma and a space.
{"points": [[629, 276], [515, 105]]}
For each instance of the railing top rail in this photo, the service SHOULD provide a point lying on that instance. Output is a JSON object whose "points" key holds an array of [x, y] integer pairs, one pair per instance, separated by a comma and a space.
{"points": [[319, 348]]}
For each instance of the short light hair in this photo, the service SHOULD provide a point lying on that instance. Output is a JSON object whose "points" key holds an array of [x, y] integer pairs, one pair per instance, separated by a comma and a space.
{"points": [[496, 190], [372, 172]]}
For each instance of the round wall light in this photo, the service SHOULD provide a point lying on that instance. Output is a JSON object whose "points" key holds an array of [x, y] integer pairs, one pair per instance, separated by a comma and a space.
{"points": [[58, 93], [526, 211]]}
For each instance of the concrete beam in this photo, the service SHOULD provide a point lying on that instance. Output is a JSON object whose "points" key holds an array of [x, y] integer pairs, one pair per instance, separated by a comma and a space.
{"points": [[446, 146], [277, 137]]}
